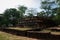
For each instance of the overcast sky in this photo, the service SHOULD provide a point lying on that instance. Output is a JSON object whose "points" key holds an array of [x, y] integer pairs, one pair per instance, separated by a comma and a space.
{"points": [[4, 4]]}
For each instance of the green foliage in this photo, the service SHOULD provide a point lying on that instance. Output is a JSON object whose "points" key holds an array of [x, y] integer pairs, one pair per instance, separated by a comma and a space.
{"points": [[22, 10], [31, 12], [41, 14], [58, 2], [1, 20], [11, 16], [57, 17], [49, 9], [57, 12], [47, 6], [30, 15]]}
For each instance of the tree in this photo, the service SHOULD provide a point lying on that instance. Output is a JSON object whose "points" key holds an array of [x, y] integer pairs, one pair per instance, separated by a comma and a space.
{"points": [[50, 10], [11, 16], [1, 20], [58, 2], [30, 15], [57, 12], [47, 5], [41, 14], [22, 10], [31, 12]]}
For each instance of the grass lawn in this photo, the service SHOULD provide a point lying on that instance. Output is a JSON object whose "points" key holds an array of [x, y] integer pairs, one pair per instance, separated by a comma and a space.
{"points": [[6, 36]]}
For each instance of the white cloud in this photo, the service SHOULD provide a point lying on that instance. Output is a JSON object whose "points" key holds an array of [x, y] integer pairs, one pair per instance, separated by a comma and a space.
{"points": [[4, 4]]}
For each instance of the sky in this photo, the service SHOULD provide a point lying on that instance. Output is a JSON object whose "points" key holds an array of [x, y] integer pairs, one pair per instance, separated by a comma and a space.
{"points": [[5, 4]]}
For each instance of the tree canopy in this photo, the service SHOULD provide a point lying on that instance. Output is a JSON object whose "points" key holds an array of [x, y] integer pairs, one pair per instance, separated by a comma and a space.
{"points": [[11, 15]]}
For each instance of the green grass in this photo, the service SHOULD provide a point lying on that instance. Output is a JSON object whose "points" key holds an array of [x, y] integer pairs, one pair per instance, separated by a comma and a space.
{"points": [[2, 37]]}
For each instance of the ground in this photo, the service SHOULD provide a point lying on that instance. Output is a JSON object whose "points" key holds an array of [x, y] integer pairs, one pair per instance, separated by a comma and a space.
{"points": [[6, 36]]}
